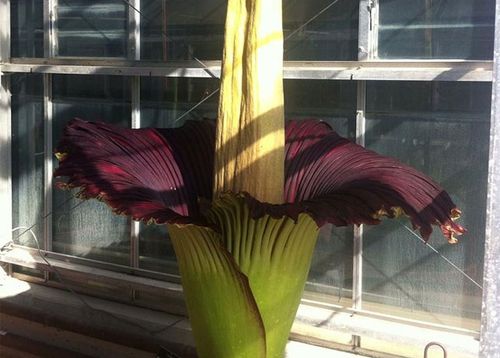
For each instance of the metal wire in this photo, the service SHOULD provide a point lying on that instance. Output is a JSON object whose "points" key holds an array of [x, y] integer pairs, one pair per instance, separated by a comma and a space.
{"points": [[298, 29], [443, 257]]}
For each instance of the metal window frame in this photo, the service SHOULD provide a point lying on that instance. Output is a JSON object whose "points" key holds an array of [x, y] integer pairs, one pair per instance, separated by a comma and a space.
{"points": [[395, 70], [490, 313], [367, 68], [48, 114], [5, 124], [134, 54]]}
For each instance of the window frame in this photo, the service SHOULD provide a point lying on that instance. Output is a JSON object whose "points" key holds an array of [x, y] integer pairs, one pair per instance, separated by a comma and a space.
{"points": [[133, 278]]}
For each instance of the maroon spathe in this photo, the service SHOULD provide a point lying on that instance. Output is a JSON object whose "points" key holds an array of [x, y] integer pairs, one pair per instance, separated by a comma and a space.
{"points": [[162, 175]]}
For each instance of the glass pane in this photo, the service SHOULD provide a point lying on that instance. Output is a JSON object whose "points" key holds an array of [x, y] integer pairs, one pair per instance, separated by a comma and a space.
{"points": [[179, 30], [164, 104], [460, 29], [26, 26], [330, 276], [169, 102], [331, 32], [27, 157], [185, 29], [331, 101], [90, 229], [91, 28], [441, 129]]}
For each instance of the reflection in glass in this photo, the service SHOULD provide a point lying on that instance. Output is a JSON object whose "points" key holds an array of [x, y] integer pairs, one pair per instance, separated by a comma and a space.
{"points": [[461, 29], [90, 229], [26, 28], [27, 157], [91, 28], [441, 129], [189, 29]]}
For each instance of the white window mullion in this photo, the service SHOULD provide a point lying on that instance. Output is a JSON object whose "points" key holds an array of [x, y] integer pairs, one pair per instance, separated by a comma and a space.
{"points": [[136, 123], [48, 160], [373, 34], [367, 30], [134, 30], [5, 133], [134, 54], [357, 261], [365, 53], [50, 28], [490, 315]]}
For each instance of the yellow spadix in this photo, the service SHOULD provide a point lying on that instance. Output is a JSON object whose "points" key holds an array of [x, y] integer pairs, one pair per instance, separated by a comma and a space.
{"points": [[250, 128]]}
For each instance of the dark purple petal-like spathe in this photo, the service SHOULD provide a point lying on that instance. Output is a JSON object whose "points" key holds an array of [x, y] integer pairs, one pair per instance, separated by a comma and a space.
{"points": [[340, 182], [149, 174], [161, 174]]}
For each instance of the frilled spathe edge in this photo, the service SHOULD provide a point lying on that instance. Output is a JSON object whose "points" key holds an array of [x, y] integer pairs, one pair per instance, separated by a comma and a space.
{"points": [[161, 175], [152, 175]]}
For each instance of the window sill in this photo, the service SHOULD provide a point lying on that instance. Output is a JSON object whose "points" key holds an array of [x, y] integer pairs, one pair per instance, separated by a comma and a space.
{"points": [[36, 318], [322, 324]]}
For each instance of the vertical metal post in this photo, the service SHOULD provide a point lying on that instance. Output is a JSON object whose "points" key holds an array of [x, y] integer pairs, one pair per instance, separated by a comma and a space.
{"points": [[490, 317], [134, 53], [368, 30], [49, 51], [49, 28], [5, 132], [134, 30], [136, 123], [357, 262], [48, 160], [367, 45]]}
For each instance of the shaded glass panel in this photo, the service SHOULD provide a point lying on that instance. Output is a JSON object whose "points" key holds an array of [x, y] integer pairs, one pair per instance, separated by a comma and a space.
{"points": [[321, 30], [89, 228], [27, 158], [441, 129], [181, 30], [26, 28], [460, 29], [92, 28], [169, 102], [331, 101]]}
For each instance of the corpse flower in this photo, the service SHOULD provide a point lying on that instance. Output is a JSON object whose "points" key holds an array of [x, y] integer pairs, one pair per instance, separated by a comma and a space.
{"points": [[244, 262], [243, 199]]}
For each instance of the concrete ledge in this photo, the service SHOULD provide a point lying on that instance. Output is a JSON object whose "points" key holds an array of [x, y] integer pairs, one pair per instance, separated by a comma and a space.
{"points": [[41, 321]]}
